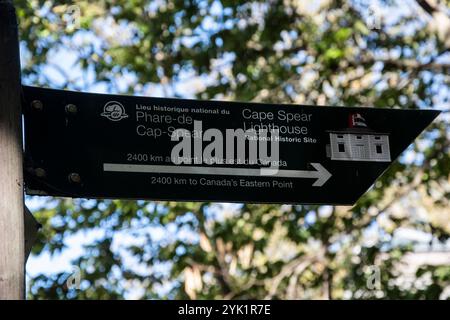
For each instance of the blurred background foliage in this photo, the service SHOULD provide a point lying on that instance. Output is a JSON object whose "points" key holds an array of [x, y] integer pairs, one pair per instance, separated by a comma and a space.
{"points": [[386, 53]]}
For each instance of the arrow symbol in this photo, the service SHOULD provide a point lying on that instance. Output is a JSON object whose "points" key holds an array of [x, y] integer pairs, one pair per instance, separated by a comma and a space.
{"points": [[320, 173]]}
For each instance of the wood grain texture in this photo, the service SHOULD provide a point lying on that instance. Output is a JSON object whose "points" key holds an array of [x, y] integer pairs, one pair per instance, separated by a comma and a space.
{"points": [[11, 175]]}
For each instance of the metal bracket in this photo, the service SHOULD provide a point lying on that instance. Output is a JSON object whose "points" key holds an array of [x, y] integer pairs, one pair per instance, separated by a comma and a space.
{"points": [[31, 231]]}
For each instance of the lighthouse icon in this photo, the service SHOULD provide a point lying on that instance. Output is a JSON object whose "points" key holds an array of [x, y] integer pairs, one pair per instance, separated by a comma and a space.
{"points": [[358, 142]]}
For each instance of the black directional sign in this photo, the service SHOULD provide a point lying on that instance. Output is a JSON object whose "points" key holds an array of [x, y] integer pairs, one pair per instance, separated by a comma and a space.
{"points": [[110, 146]]}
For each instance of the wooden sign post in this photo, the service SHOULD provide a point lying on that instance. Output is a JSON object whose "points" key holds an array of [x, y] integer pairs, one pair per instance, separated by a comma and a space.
{"points": [[11, 173]]}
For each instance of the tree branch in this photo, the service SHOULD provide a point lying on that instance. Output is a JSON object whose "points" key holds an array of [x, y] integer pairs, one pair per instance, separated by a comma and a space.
{"points": [[425, 5]]}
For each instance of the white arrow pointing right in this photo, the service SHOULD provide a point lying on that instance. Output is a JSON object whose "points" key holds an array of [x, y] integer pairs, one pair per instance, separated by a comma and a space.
{"points": [[320, 173]]}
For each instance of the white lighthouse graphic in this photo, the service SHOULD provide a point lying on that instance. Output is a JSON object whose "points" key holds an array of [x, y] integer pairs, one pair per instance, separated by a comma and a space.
{"points": [[358, 142]]}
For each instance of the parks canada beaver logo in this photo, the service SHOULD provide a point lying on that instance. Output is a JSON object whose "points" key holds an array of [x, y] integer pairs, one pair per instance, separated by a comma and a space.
{"points": [[114, 111]]}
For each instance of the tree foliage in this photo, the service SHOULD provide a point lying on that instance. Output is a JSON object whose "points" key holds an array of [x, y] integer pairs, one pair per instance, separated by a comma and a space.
{"points": [[291, 51]]}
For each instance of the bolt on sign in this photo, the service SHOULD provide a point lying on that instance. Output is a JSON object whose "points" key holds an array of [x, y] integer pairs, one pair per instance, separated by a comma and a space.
{"points": [[111, 146]]}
